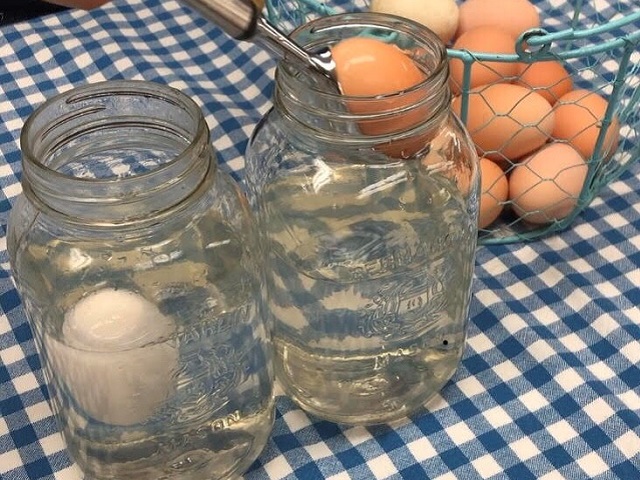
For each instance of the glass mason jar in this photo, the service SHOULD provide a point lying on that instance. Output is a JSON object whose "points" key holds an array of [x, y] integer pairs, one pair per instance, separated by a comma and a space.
{"points": [[369, 208], [138, 263]]}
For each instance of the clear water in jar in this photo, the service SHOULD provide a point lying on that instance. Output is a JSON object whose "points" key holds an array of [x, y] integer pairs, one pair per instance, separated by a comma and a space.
{"points": [[369, 276], [196, 402]]}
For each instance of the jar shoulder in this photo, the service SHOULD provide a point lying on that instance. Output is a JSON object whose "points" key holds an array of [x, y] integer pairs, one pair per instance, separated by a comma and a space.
{"points": [[215, 237], [276, 150]]}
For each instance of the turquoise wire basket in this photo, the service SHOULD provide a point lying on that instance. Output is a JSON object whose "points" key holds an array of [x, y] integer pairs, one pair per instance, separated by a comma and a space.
{"points": [[598, 43]]}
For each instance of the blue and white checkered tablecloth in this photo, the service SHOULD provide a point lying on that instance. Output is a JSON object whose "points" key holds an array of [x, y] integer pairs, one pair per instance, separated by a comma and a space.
{"points": [[549, 386]]}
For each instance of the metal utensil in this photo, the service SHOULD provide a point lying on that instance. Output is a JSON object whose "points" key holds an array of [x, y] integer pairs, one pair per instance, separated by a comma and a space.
{"points": [[243, 20]]}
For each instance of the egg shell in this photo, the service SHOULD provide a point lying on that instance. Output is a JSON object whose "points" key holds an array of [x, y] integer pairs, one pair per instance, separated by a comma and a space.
{"points": [[549, 79], [513, 16], [494, 192], [440, 16], [545, 187], [579, 114], [381, 74], [367, 67], [507, 121], [484, 39], [109, 360]]}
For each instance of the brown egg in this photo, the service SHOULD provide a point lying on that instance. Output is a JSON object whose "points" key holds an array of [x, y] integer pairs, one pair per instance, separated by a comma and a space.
{"points": [[368, 67], [545, 187], [495, 191], [381, 73], [507, 121], [579, 116], [549, 79], [514, 16], [484, 39]]}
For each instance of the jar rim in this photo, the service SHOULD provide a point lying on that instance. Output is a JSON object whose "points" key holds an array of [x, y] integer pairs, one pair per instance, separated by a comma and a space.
{"points": [[133, 151], [383, 21], [103, 89], [402, 117]]}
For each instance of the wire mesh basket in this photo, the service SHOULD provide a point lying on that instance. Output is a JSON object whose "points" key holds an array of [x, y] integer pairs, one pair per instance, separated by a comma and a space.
{"points": [[597, 42]]}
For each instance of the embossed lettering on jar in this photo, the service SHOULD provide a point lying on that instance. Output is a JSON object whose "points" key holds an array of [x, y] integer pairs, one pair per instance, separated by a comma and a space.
{"points": [[370, 239], [136, 260]]}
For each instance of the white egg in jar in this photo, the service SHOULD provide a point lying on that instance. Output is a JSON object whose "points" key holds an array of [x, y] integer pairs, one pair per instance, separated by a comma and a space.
{"points": [[115, 357]]}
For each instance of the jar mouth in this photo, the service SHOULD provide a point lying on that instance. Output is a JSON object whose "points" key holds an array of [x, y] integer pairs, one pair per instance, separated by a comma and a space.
{"points": [[329, 30], [303, 95], [108, 150], [83, 110]]}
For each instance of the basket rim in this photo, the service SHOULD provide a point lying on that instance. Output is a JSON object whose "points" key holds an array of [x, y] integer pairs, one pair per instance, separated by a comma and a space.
{"points": [[532, 45]]}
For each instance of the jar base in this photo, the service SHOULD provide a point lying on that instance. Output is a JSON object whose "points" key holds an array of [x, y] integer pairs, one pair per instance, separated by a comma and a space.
{"points": [[205, 453], [355, 392]]}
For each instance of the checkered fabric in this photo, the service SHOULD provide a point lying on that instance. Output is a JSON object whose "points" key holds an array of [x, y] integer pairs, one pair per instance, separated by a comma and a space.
{"points": [[549, 386]]}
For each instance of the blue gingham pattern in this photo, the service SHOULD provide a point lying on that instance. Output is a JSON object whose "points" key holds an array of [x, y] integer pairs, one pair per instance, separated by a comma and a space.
{"points": [[549, 386]]}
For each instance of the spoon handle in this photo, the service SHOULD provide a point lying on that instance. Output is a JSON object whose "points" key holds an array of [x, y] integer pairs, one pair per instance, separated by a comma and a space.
{"points": [[236, 17], [243, 20]]}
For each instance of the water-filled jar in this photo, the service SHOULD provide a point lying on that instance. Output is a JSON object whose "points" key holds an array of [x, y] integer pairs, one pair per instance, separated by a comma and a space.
{"points": [[368, 206], [137, 261]]}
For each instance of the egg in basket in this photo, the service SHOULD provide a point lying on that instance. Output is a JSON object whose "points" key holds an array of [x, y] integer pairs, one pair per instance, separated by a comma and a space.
{"points": [[548, 91]]}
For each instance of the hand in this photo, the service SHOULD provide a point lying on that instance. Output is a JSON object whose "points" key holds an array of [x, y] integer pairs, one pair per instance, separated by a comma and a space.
{"points": [[84, 4]]}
